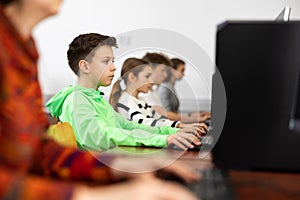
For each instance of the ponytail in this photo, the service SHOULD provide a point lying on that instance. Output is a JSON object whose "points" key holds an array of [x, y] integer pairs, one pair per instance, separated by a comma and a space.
{"points": [[115, 94], [133, 65]]}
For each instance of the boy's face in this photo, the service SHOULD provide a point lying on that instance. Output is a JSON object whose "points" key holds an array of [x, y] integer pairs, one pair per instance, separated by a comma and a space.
{"points": [[159, 74], [102, 67]]}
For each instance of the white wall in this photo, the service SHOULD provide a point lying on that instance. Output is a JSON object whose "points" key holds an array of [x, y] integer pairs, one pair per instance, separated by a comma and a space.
{"points": [[195, 19]]}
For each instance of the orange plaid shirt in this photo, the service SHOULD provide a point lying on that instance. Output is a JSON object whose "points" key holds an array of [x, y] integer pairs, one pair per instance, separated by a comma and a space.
{"points": [[26, 155]]}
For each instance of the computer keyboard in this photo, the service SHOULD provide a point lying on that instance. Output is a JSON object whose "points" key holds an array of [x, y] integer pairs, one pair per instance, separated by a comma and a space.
{"points": [[207, 142], [212, 186]]}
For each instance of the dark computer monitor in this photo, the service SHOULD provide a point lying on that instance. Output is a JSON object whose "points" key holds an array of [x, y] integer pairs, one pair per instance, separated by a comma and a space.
{"points": [[259, 64]]}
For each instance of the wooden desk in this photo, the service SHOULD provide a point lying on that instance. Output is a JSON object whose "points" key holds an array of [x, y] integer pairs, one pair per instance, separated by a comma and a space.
{"points": [[265, 185], [248, 185]]}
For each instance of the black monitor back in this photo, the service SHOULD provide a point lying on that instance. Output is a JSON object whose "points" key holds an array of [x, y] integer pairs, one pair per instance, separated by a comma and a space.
{"points": [[259, 63]]}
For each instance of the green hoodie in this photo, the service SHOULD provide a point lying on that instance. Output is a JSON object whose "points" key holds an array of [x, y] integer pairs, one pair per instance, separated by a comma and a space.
{"points": [[96, 124]]}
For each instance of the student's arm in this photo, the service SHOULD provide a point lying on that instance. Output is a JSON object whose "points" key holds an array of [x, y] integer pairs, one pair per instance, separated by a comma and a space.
{"points": [[171, 115], [57, 161], [182, 138], [133, 125], [195, 117], [25, 186], [184, 117], [28, 186], [93, 133], [134, 112], [145, 187], [97, 126]]}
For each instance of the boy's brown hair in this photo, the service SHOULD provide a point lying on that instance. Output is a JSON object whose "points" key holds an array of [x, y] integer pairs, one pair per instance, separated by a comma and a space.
{"points": [[83, 47]]}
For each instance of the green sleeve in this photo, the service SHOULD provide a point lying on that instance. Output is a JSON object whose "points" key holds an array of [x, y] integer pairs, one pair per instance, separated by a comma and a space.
{"points": [[98, 127]]}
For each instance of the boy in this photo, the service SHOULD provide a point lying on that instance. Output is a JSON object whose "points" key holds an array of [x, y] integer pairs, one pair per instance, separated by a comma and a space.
{"points": [[97, 126]]}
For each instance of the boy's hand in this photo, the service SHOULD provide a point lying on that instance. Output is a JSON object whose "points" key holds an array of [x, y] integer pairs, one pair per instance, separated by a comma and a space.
{"points": [[131, 166], [184, 139], [198, 129]]}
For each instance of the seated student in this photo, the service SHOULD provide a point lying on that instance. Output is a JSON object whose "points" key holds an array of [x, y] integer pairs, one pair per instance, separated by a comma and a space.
{"points": [[32, 166], [160, 64], [96, 124], [168, 94], [135, 74]]}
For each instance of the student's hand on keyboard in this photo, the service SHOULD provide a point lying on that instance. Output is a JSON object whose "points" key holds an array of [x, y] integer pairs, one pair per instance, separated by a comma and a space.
{"points": [[199, 129], [145, 187], [149, 188], [124, 167], [184, 139], [183, 171]]}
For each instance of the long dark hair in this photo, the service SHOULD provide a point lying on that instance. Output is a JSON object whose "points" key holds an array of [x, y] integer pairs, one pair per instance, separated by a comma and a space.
{"points": [[133, 65]]}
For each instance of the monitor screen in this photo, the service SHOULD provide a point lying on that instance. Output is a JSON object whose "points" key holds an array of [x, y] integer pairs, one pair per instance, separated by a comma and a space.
{"points": [[259, 64]]}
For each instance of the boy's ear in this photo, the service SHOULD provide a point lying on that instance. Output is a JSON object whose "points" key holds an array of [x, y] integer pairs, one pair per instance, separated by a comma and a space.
{"points": [[83, 66]]}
